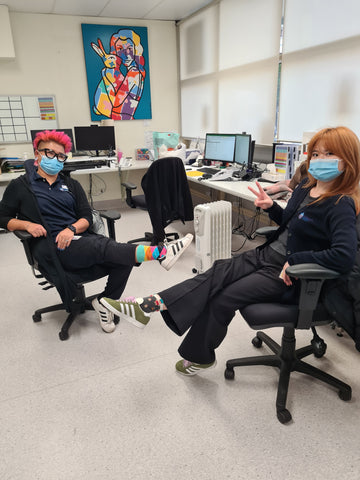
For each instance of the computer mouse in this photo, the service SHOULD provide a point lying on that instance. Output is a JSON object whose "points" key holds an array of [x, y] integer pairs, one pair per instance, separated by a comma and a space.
{"points": [[206, 176]]}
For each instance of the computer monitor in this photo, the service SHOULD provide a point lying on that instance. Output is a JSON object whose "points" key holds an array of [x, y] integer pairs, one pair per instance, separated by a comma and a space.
{"points": [[219, 147], [95, 138], [263, 153], [243, 152], [68, 132]]}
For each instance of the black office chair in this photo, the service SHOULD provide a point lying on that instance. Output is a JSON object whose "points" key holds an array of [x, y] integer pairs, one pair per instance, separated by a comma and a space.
{"points": [[309, 313], [166, 197], [74, 300]]}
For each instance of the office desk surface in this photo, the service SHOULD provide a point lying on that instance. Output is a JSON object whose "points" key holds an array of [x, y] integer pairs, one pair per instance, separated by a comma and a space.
{"points": [[237, 188], [135, 165]]}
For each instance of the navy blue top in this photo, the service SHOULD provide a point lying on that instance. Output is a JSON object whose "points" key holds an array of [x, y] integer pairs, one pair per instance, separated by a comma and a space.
{"points": [[56, 202], [322, 232]]}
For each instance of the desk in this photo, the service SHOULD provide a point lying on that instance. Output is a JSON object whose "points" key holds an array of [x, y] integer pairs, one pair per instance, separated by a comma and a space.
{"points": [[135, 165], [6, 178], [111, 189], [245, 218], [236, 188]]}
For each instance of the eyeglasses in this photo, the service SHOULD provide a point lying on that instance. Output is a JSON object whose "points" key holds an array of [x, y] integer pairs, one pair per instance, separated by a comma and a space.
{"points": [[51, 154]]}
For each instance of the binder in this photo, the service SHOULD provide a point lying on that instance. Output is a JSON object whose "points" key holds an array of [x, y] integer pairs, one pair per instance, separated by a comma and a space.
{"points": [[286, 154]]}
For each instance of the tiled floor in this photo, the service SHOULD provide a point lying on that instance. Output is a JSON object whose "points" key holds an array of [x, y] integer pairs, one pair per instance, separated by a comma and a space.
{"points": [[110, 406]]}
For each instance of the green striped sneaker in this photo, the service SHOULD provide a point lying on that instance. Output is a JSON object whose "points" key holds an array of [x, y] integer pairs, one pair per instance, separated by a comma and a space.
{"points": [[130, 310], [184, 367]]}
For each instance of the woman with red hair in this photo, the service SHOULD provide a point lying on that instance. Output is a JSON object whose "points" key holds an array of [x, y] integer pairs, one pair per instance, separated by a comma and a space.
{"points": [[317, 226]]}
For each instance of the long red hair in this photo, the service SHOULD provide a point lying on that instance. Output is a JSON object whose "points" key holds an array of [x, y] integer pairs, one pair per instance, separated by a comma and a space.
{"points": [[342, 142]]}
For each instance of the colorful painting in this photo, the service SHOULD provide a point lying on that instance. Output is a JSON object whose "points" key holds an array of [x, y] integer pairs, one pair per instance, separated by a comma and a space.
{"points": [[117, 69]]}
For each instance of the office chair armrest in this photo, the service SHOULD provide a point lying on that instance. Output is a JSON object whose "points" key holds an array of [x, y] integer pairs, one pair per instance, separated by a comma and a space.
{"points": [[265, 231], [312, 277], [311, 271], [110, 214], [22, 235], [129, 185], [110, 217], [25, 238]]}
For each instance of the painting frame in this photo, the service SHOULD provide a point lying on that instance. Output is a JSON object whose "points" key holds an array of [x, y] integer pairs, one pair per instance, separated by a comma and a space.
{"points": [[117, 71]]}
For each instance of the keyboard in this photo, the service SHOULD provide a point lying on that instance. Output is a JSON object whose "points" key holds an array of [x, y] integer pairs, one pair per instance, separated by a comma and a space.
{"points": [[85, 164], [210, 170], [89, 159]]}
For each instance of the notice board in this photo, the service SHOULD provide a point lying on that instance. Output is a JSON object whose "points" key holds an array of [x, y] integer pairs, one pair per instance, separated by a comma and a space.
{"points": [[21, 113]]}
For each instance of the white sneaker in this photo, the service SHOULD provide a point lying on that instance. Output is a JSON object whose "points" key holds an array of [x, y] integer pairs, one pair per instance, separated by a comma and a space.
{"points": [[174, 251], [106, 318]]}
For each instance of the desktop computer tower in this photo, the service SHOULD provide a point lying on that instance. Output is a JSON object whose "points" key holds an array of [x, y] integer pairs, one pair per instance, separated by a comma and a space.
{"points": [[213, 229]]}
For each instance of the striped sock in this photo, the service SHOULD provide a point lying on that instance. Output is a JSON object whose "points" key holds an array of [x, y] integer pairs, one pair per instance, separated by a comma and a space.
{"points": [[144, 253], [153, 303]]}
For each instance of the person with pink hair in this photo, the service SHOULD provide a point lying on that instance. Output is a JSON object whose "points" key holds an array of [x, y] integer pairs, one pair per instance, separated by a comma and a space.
{"points": [[54, 135], [53, 208]]}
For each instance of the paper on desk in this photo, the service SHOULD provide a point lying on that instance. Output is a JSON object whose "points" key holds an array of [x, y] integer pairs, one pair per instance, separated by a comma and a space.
{"points": [[194, 173]]}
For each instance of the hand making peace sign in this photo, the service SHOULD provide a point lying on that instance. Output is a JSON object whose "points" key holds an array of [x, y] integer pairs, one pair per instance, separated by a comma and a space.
{"points": [[262, 200]]}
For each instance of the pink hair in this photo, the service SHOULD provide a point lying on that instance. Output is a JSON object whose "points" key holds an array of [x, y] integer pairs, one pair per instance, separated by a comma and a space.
{"points": [[55, 136]]}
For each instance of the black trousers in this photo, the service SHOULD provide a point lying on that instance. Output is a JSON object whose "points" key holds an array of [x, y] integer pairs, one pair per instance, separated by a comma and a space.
{"points": [[207, 303], [93, 250]]}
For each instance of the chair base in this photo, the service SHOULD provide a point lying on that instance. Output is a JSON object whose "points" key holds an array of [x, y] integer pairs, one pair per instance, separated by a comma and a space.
{"points": [[149, 238], [78, 307], [288, 360]]}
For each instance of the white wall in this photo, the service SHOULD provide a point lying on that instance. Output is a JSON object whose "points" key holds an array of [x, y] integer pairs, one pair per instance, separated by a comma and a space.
{"points": [[49, 59]]}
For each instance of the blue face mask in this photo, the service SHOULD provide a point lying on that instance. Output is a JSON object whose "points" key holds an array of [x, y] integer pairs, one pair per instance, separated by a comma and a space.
{"points": [[51, 166], [325, 170]]}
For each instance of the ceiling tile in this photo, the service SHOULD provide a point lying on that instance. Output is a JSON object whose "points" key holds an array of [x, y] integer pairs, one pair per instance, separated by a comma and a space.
{"points": [[175, 10], [147, 9], [79, 7], [129, 8], [30, 6]]}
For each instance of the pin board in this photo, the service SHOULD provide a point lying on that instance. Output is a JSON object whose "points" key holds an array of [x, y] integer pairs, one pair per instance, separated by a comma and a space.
{"points": [[21, 113]]}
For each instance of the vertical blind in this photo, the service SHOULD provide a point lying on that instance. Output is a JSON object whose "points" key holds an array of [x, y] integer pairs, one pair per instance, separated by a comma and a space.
{"points": [[320, 80], [229, 68]]}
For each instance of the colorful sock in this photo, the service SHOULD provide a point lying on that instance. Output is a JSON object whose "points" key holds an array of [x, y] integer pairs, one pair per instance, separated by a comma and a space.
{"points": [[151, 304], [145, 253]]}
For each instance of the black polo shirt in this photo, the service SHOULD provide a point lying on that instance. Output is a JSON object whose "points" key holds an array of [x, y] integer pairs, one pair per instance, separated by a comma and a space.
{"points": [[56, 202]]}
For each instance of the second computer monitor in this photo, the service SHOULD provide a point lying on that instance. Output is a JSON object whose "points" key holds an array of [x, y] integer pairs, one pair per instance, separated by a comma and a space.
{"points": [[219, 147], [242, 155]]}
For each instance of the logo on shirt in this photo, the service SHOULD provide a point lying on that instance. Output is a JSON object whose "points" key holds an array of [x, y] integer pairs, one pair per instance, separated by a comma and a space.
{"points": [[64, 188], [302, 216]]}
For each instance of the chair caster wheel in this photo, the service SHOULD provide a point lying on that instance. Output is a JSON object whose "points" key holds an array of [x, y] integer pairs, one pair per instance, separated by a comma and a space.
{"points": [[345, 395], [36, 317], [63, 335], [257, 342], [284, 416], [229, 374], [319, 347]]}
